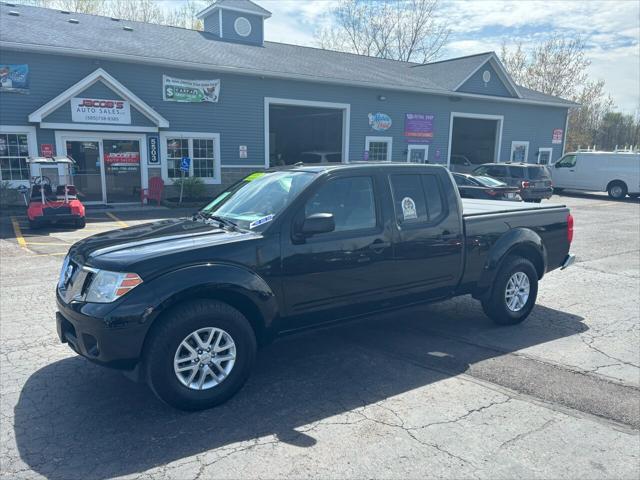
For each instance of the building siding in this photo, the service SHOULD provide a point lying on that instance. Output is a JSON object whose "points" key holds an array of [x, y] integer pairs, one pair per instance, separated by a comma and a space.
{"points": [[229, 32], [239, 114], [495, 86]]}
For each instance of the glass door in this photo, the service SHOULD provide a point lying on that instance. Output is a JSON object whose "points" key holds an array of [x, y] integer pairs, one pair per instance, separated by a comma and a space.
{"points": [[122, 170], [88, 174]]}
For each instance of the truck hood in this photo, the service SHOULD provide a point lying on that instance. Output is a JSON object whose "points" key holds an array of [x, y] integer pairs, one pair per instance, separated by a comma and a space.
{"points": [[118, 249]]}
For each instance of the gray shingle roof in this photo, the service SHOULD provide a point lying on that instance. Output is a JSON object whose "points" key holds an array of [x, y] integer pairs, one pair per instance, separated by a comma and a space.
{"points": [[49, 30]]}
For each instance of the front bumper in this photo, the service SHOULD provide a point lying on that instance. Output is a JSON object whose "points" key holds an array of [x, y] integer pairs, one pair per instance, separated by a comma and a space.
{"points": [[100, 339]]}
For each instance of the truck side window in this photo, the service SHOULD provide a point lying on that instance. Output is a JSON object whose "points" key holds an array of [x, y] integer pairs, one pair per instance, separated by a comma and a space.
{"points": [[416, 198], [568, 161], [350, 200]]}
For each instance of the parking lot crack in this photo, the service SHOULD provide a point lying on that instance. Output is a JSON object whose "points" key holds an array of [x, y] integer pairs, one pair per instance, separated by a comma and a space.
{"points": [[522, 435]]}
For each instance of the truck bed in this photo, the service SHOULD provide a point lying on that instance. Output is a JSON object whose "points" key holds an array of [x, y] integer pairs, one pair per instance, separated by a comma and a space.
{"points": [[472, 207]]}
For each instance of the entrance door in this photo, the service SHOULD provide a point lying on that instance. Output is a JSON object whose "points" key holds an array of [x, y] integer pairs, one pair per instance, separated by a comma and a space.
{"points": [[122, 170], [88, 174], [418, 153]]}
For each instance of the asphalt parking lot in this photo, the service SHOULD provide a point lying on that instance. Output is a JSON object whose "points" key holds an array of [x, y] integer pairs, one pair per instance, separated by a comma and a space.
{"points": [[434, 391]]}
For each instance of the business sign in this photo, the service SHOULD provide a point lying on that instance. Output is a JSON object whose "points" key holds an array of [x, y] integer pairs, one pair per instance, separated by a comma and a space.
{"points": [[154, 151], [418, 127], [100, 110], [122, 161], [191, 91], [46, 150], [14, 78], [379, 121], [557, 136]]}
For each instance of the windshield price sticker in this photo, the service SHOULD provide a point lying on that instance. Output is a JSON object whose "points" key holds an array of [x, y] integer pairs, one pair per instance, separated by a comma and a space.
{"points": [[261, 221], [409, 209], [254, 176]]}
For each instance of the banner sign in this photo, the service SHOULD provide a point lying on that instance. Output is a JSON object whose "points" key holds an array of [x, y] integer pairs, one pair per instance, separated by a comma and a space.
{"points": [[14, 78], [557, 136], [100, 110], [122, 161], [154, 151], [379, 121], [192, 91], [418, 127]]}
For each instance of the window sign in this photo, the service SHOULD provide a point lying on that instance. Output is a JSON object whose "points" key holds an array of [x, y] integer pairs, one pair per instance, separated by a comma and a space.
{"points": [[100, 110], [379, 121], [184, 164], [190, 91], [154, 153], [46, 150], [418, 127], [243, 151], [14, 78], [557, 136]]}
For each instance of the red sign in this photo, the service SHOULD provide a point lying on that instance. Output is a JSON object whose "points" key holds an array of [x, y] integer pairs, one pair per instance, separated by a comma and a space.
{"points": [[46, 150], [88, 102], [122, 158], [557, 135]]}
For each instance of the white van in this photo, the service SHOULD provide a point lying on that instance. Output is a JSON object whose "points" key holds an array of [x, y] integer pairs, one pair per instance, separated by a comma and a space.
{"points": [[617, 173]]}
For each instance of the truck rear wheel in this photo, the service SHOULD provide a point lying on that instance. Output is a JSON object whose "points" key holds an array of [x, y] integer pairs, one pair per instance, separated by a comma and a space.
{"points": [[200, 355], [514, 292]]}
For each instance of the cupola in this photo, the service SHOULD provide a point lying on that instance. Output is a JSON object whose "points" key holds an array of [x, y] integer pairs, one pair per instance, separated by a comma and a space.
{"points": [[240, 21]]}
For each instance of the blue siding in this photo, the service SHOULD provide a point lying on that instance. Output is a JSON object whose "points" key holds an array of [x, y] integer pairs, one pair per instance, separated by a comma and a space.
{"points": [[97, 90], [211, 24], [238, 116], [476, 84], [229, 32]]}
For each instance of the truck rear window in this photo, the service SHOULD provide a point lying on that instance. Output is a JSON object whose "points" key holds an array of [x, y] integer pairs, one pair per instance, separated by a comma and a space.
{"points": [[417, 199], [529, 173]]}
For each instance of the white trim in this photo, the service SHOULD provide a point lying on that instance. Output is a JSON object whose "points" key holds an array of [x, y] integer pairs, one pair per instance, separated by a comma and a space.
{"points": [[545, 149], [220, 22], [346, 120], [480, 116], [164, 135], [235, 26], [97, 127], [518, 143], [500, 70], [373, 138], [211, 8], [63, 135], [258, 167], [566, 130], [99, 75], [32, 144], [263, 73], [418, 146]]}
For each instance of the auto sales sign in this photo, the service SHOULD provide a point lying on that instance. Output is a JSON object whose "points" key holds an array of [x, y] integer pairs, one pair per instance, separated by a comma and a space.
{"points": [[100, 110]]}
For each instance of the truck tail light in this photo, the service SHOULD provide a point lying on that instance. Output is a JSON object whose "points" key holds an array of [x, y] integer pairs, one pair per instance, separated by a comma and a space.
{"points": [[525, 184], [570, 228]]}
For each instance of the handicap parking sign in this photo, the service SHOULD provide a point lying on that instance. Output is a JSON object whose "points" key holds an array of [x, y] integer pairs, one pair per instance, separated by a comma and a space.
{"points": [[184, 164]]}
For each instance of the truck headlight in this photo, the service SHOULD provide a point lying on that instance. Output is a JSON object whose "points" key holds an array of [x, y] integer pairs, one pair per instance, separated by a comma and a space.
{"points": [[108, 286]]}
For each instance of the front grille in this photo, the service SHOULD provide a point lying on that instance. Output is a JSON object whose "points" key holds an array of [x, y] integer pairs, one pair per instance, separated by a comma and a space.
{"points": [[72, 281]]}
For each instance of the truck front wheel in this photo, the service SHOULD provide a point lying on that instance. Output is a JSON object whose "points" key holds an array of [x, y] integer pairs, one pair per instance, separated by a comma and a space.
{"points": [[200, 354], [514, 292]]}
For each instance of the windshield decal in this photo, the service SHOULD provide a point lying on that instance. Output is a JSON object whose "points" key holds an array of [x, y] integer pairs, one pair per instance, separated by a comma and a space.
{"points": [[261, 221], [254, 176]]}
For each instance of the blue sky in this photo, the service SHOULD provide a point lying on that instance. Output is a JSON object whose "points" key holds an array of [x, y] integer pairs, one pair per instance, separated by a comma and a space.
{"points": [[611, 29]]}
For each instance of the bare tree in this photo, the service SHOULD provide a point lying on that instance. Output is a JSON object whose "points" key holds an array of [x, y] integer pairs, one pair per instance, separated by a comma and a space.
{"points": [[185, 15], [407, 30]]}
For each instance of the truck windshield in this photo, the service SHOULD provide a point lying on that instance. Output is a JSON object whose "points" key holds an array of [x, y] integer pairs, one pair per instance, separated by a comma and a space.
{"points": [[258, 198]]}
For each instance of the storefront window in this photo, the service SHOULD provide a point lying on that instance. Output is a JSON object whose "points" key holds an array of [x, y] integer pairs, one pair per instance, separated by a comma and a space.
{"points": [[177, 148], [14, 150], [199, 150], [203, 160]]}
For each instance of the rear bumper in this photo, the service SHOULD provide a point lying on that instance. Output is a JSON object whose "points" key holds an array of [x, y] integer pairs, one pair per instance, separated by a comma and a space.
{"points": [[568, 261], [527, 194]]}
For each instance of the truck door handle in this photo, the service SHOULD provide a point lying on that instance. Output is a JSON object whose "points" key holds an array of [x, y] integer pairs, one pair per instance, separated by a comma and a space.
{"points": [[379, 245]]}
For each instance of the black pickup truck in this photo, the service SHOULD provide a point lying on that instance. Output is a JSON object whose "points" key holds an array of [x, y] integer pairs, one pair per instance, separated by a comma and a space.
{"points": [[184, 303]]}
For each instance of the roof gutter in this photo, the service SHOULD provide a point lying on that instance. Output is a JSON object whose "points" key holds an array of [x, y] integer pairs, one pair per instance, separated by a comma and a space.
{"points": [[23, 47]]}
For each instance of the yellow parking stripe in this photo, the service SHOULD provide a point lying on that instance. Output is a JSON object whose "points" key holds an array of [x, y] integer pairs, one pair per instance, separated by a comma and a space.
{"points": [[118, 221], [49, 243], [18, 233]]}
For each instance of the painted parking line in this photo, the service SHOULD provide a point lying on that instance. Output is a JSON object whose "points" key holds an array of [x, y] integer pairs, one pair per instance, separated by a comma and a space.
{"points": [[118, 221], [51, 244], [18, 233]]}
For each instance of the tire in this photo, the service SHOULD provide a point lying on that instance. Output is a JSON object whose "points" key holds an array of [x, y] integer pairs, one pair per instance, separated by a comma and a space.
{"points": [[617, 190], [177, 326], [495, 305], [80, 222]]}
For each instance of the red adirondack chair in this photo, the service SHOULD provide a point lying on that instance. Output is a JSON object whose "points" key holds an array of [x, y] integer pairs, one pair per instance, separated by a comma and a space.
{"points": [[154, 192]]}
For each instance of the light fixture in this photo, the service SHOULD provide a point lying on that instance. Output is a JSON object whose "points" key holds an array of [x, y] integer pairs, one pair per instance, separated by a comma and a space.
{"points": [[382, 98]]}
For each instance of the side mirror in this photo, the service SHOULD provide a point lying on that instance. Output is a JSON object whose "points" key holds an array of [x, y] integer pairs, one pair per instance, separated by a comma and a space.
{"points": [[318, 223], [556, 165]]}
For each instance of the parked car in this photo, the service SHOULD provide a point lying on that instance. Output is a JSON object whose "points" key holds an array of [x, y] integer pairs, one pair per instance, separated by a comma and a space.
{"points": [[183, 303], [320, 156], [488, 188], [534, 181], [461, 164], [617, 173]]}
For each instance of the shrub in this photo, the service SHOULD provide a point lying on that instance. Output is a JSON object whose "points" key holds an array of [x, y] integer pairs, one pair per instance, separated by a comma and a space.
{"points": [[194, 187]]}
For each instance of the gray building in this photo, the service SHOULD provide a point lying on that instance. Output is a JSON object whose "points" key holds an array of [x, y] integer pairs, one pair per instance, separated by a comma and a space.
{"points": [[130, 101]]}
